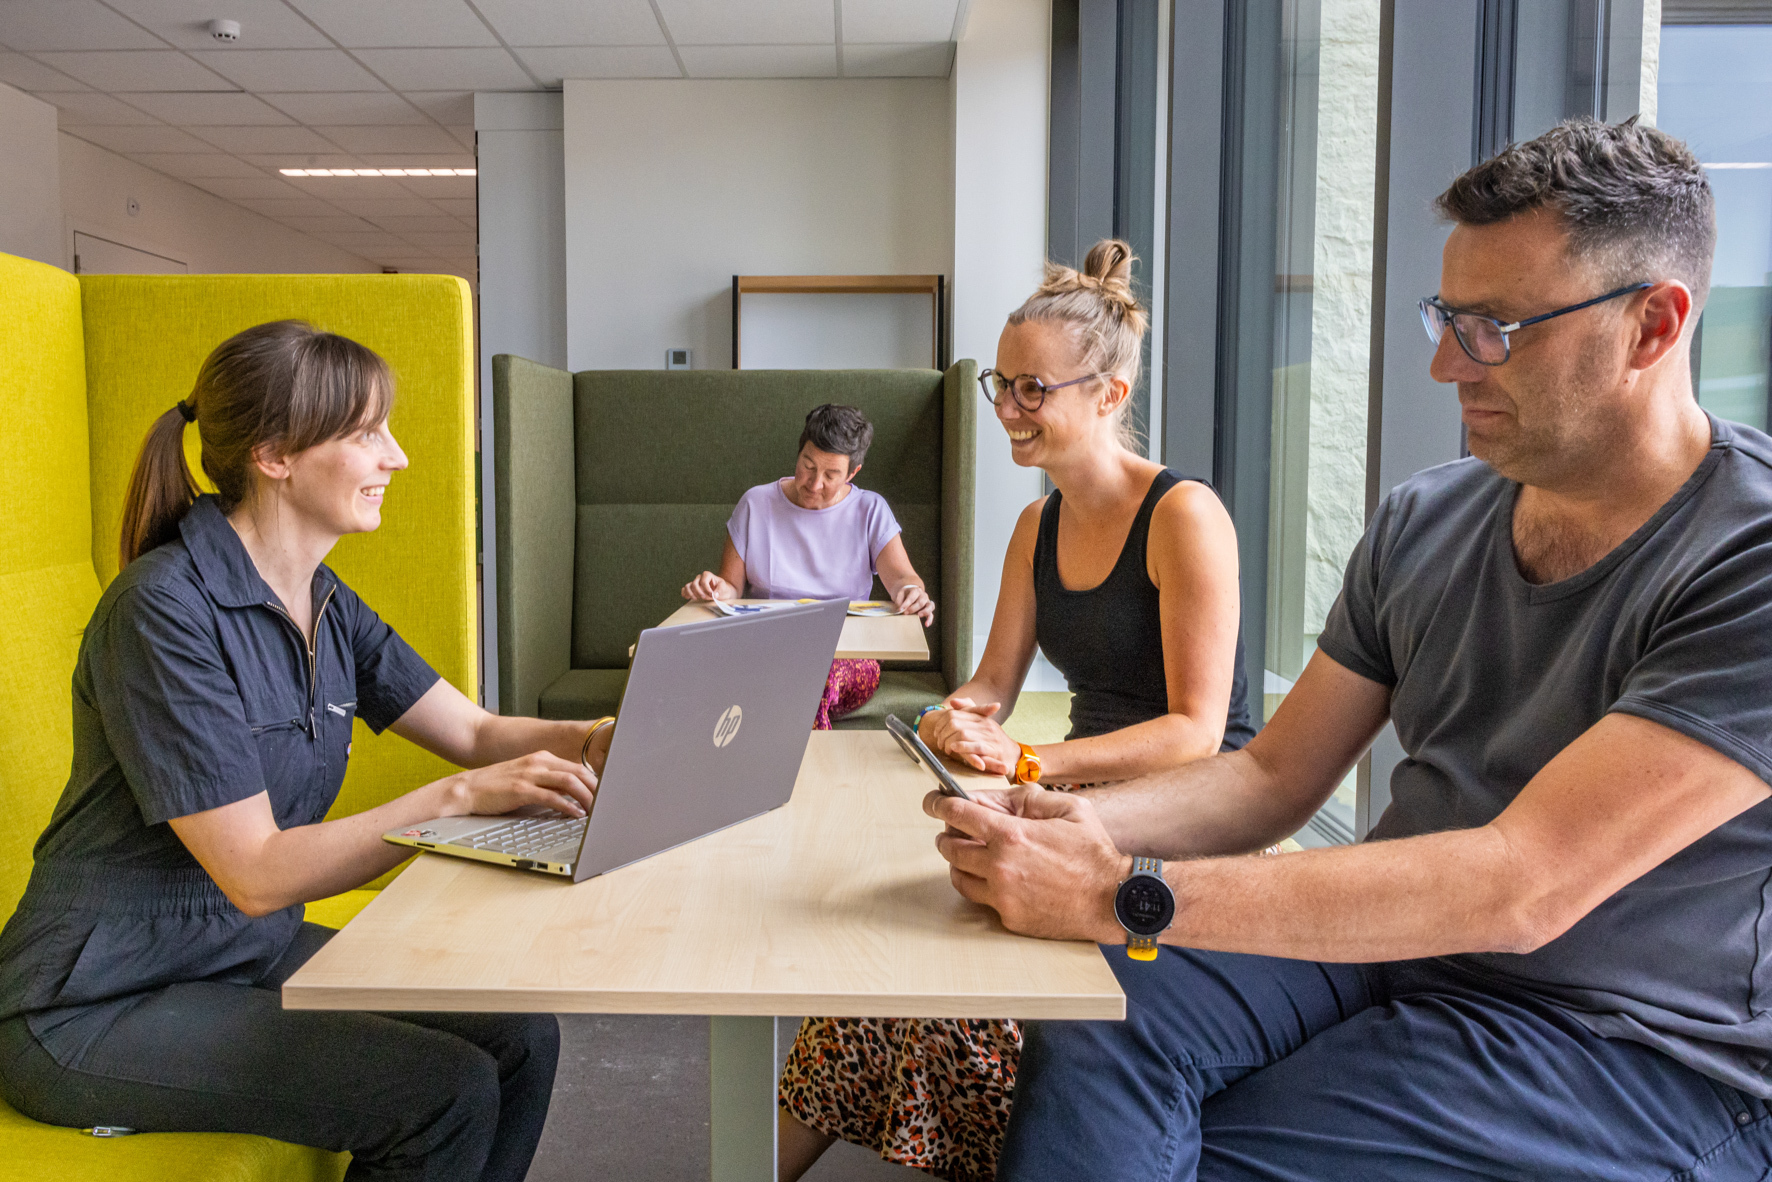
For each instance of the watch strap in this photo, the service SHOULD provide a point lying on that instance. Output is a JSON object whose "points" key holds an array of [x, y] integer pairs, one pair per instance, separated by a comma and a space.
{"points": [[1144, 947]]}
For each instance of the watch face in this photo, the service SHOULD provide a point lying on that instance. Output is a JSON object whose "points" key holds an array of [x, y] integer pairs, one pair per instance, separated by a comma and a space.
{"points": [[1144, 905]]}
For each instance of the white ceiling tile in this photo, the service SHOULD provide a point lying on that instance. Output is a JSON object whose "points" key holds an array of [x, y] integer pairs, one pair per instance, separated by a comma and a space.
{"points": [[272, 161], [279, 207], [86, 108], [379, 207], [336, 223], [264, 24], [365, 141], [18, 70], [234, 188], [759, 61], [640, 61], [750, 22], [460, 242], [404, 224], [217, 108], [290, 69], [451, 108], [465, 137], [372, 240], [898, 21], [447, 69], [461, 207], [457, 187], [932, 60], [608, 22], [131, 140], [193, 165], [33, 25], [264, 139], [398, 22], [351, 108], [144, 69]]}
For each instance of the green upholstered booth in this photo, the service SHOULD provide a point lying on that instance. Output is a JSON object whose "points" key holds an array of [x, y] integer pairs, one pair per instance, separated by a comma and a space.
{"points": [[613, 490], [85, 365]]}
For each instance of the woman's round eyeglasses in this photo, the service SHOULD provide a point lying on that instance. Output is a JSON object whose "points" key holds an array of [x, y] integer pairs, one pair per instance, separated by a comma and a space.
{"points": [[1484, 339], [1029, 390]]}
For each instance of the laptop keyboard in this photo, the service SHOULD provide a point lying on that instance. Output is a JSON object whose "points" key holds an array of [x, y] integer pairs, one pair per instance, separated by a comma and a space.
{"points": [[526, 837]]}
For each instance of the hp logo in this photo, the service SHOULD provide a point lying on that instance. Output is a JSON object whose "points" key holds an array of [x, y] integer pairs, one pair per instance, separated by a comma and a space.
{"points": [[727, 728]]}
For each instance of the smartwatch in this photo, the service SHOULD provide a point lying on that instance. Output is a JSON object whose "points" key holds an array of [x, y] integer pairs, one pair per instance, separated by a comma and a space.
{"points": [[1145, 907]]}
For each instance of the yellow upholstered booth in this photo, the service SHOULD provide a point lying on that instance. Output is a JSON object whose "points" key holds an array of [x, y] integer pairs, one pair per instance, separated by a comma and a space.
{"points": [[85, 365]]}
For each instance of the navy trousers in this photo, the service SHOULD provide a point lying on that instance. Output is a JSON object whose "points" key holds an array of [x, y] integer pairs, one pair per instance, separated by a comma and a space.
{"points": [[1233, 1068]]}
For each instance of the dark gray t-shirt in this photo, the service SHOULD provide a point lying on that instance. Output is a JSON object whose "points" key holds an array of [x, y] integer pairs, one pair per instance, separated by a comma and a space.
{"points": [[1491, 677]]}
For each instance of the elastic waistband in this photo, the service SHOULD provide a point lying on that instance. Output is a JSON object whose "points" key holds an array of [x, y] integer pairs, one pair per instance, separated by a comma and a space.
{"points": [[95, 886]]}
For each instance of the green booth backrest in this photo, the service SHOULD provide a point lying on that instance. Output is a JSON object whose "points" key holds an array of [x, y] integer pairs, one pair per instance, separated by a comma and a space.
{"points": [[662, 458], [47, 584]]}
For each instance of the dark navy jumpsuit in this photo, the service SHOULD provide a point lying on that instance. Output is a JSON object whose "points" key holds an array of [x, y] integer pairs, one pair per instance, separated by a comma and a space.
{"points": [[133, 993]]}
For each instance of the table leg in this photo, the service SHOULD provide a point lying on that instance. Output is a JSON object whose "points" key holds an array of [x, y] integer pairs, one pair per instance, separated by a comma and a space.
{"points": [[742, 1077]]}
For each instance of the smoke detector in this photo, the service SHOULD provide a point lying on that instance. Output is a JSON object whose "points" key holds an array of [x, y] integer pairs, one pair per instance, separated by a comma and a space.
{"points": [[226, 32]]}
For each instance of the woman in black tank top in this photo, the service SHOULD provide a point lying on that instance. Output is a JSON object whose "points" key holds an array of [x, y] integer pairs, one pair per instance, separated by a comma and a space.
{"points": [[1127, 578]]}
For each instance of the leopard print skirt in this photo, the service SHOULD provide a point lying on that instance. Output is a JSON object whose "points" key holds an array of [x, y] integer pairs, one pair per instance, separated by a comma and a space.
{"points": [[932, 1093]]}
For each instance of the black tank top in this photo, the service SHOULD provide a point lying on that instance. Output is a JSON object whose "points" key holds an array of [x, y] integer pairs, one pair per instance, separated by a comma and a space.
{"points": [[1108, 640]]}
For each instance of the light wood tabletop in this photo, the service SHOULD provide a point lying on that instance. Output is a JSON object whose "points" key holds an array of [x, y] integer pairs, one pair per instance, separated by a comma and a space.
{"points": [[870, 638], [835, 904]]}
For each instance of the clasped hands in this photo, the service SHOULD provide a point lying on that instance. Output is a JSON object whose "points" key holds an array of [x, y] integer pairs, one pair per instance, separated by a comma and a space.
{"points": [[1042, 860], [910, 599]]}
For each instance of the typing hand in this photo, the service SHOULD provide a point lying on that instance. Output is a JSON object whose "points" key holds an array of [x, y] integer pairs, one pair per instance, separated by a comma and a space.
{"points": [[913, 600], [708, 585], [543, 778]]}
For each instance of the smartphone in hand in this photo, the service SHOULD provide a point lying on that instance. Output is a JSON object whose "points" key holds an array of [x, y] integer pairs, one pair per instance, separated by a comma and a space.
{"points": [[919, 752]]}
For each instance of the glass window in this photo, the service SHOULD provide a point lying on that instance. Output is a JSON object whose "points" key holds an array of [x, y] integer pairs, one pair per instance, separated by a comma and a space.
{"points": [[1327, 143], [1715, 92]]}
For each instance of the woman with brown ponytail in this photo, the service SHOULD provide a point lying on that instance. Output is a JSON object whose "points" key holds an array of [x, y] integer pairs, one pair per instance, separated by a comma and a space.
{"points": [[1126, 578], [212, 706]]}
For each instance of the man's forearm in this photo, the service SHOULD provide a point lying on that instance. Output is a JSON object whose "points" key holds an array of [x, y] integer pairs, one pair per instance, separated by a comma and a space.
{"points": [[1434, 895], [1224, 804]]}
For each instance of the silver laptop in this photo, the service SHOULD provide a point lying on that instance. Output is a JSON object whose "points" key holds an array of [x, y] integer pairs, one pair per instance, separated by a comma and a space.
{"points": [[714, 723]]}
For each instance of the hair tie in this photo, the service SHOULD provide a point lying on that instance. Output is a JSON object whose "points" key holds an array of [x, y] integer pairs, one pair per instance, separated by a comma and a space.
{"points": [[187, 411]]}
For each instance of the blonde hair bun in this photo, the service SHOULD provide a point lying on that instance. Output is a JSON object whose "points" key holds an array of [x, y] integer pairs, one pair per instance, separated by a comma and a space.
{"points": [[1098, 303]]}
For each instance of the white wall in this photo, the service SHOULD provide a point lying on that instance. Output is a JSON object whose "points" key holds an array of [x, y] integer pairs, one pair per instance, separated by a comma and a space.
{"points": [[522, 268], [30, 193], [180, 221], [674, 187], [1001, 77]]}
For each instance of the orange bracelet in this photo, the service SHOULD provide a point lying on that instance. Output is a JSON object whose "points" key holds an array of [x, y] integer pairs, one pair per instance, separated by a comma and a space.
{"points": [[1027, 766]]}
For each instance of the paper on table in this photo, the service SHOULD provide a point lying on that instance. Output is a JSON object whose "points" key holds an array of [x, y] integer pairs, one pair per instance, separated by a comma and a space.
{"points": [[872, 607]]}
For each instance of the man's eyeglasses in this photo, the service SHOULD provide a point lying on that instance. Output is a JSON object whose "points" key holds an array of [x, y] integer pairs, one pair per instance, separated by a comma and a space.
{"points": [[1029, 390], [1484, 339]]}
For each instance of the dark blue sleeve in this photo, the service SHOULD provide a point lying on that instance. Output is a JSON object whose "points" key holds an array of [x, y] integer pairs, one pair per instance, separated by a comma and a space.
{"points": [[390, 675], [1351, 636], [171, 712]]}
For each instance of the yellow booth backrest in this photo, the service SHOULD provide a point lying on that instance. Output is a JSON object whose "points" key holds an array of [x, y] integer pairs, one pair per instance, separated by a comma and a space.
{"points": [[86, 365], [47, 586]]}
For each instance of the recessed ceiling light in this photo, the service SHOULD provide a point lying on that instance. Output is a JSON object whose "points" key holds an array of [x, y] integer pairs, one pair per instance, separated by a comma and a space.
{"points": [[1743, 164], [379, 171]]}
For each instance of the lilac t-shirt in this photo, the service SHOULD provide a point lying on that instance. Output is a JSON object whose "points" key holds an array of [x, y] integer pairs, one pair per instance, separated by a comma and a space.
{"points": [[795, 553]]}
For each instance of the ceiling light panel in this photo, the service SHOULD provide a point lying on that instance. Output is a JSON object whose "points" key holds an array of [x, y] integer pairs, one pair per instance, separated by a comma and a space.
{"points": [[759, 61], [447, 69], [264, 24], [38, 25], [363, 172], [357, 25], [553, 66], [721, 22], [573, 22], [147, 69], [288, 69], [216, 108], [900, 21]]}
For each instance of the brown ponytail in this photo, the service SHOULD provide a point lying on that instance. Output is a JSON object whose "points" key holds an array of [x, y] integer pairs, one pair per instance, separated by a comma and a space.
{"points": [[283, 385], [1099, 306]]}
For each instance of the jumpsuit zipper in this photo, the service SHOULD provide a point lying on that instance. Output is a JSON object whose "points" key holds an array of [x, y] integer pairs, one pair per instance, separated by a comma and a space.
{"points": [[308, 647]]}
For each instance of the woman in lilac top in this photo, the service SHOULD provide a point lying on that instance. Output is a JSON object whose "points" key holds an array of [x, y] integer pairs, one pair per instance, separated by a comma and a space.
{"points": [[814, 535]]}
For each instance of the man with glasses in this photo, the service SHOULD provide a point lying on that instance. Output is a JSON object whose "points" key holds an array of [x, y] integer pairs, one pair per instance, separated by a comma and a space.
{"points": [[1553, 958]]}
